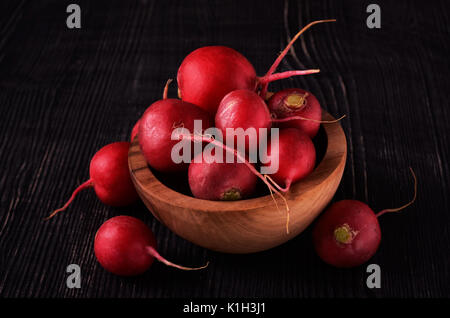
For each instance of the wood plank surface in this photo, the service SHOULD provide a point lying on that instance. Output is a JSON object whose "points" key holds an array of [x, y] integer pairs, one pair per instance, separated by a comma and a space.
{"points": [[66, 93]]}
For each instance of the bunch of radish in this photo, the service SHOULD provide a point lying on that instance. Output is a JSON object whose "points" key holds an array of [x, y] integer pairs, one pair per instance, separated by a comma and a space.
{"points": [[218, 87]]}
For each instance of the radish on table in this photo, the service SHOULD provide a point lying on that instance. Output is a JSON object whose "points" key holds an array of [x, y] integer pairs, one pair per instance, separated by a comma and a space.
{"points": [[126, 246], [109, 176], [348, 234]]}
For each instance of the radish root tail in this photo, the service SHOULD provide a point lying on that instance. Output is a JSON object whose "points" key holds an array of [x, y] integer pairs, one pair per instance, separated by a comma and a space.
{"points": [[407, 204], [285, 189], [156, 255], [85, 185], [271, 194]]}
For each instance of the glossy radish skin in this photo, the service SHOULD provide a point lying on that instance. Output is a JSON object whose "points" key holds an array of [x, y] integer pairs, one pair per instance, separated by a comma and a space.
{"points": [[210, 180], [347, 234], [134, 131], [125, 246], [207, 74], [156, 126], [120, 246], [243, 109], [296, 156], [296, 102], [110, 175]]}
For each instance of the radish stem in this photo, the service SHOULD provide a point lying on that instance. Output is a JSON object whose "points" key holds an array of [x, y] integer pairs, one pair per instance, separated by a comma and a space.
{"points": [[281, 120], [199, 138], [277, 76], [166, 88], [286, 49]]}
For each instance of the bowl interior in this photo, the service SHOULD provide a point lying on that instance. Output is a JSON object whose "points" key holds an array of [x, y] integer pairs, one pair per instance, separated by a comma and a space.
{"points": [[179, 181], [173, 190]]}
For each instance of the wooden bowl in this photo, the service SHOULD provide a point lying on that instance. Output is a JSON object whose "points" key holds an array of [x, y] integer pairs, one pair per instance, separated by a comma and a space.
{"points": [[250, 225]]}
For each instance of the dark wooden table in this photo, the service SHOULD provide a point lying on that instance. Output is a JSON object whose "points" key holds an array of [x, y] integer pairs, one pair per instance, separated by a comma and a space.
{"points": [[64, 93]]}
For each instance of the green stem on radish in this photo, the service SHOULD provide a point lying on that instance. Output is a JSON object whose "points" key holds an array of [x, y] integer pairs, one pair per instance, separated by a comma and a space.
{"points": [[344, 234]]}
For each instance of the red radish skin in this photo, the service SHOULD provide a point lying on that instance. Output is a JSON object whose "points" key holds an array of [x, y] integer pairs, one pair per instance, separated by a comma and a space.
{"points": [[125, 246], [210, 180], [296, 102], [207, 74], [296, 157], [135, 130], [240, 158], [348, 233], [109, 176], [155, 130], [243, 109], [246, 109]]}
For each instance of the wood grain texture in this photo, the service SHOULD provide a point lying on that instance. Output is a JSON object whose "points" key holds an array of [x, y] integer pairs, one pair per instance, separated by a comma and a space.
{"points": [[66, 93], [244, 226]]}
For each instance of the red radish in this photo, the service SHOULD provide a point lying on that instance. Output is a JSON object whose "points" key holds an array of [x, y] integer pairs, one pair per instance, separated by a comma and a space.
{"points": [[126, 246], [296, 157], [246, 109], [211, 180], [155, 130], [348, 233], [243, 109], [135, 130], [296, 102], [109, 176], [207, 74], [241, 159]]}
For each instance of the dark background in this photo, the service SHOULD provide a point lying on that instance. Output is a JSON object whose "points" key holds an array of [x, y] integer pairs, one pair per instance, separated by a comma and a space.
{"points": [[66, 93]]}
